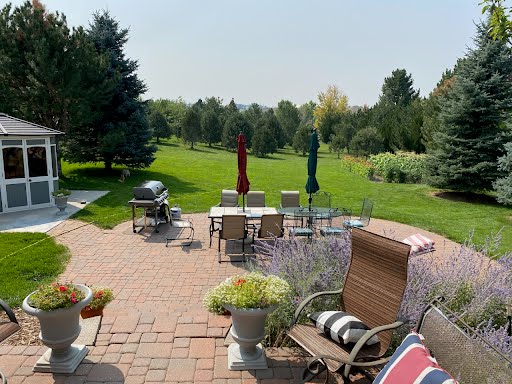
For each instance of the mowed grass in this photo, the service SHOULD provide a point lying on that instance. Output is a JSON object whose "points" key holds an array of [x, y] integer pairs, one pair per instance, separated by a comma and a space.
{"points": [[23, 268], [196, 177]]}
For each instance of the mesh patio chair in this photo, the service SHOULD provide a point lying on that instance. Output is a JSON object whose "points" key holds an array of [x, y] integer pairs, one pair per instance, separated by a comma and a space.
{"points": [[8, 328], [233, 227], [228, 198], [364, 219], [372, 292], [290, 199], [271, 226], [321, 200], [256, 199], [465, 354]]}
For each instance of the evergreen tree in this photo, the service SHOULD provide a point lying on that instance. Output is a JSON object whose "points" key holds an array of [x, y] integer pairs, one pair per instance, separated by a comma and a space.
{"points": [[288, 116], [121, 134], [211, 127], [191, 125], [253, 115], [301, 139], [263, 141], [159, 125], [503, 186], [50, 75], [367, 141], [275, 129], [472, 130], [235, 124]]}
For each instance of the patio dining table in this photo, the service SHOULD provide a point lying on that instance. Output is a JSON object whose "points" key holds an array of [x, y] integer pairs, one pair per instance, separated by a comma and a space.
{"points": [[313, 214]]}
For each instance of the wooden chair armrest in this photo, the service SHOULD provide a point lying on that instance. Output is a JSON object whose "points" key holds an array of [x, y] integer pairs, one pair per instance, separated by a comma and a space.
{"points": [[310, 298]]}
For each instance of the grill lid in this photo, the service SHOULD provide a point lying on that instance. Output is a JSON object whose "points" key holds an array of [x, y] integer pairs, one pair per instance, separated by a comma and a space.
{"points": [[149, 190]]}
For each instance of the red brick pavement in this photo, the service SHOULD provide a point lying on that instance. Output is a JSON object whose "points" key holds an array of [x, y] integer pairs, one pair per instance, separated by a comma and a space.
{"points": [[156, 330]]}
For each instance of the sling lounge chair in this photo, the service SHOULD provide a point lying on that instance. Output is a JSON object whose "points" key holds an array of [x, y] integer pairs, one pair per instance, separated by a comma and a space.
{"points": [[372, 292]]}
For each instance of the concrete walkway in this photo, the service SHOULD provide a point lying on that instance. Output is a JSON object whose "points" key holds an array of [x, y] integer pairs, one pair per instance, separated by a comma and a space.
{"points": [[156, 331]]}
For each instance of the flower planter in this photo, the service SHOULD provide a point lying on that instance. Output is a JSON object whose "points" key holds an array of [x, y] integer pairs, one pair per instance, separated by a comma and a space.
{"points": [[59, 329], [62, 203], [248, 330], [86, 313]]}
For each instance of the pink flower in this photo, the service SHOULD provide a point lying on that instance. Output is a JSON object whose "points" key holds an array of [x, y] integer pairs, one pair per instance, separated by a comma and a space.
{"points": [[73, 297], [62, 288]]}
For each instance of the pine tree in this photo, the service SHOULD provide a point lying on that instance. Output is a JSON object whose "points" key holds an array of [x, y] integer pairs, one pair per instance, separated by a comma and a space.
{"points": [[191, 125], [235, 124], [121, 135], [472, 130]]}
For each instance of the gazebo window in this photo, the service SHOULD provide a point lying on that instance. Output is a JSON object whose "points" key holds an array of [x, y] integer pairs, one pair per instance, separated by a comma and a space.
{"points": [[36, 157], [13, 163]]}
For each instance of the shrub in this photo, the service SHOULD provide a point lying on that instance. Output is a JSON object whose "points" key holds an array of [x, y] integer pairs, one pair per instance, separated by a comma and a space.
{"points": [[402, 167], [357, 165], [367, 141], [308, 268]]}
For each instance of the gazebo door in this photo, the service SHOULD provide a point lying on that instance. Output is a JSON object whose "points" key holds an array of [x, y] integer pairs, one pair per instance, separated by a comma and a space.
{"points": [[27, 175]]}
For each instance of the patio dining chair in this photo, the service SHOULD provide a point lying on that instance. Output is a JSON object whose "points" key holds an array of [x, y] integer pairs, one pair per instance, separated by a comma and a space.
{"points": [[326, 227], [271, 226], [372, 293], [228, 198], [298, 217], [233, 227], [291, 199], [8, 328], [256, 199], [364, 218]]}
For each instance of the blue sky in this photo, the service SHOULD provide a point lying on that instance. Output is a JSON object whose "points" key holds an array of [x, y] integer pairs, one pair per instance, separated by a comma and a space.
{"points": [[267, 50]]}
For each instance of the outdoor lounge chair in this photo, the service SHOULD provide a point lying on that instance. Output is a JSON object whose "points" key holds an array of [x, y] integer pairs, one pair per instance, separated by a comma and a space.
{"points": [[256, 199], [233, 227], [7, 328], [364, 219], [181, 225], [372, 292]]}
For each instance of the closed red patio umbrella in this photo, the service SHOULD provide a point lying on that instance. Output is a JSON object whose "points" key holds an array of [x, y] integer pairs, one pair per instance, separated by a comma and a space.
{"points": [[242, 185]]}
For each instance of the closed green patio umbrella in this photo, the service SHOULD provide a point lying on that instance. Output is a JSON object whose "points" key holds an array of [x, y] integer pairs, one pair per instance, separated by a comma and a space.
{"points": [[312, 185]]}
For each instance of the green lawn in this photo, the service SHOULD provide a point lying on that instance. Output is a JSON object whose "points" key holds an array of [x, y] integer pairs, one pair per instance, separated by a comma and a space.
{"points": [[196, 177], [21, 272]]}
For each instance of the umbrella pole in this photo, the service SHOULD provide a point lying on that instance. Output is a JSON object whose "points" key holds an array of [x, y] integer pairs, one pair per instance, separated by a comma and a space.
{"points": [[243, 202]]}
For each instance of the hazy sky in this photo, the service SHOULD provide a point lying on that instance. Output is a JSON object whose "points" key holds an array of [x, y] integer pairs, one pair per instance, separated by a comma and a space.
{"points": [[267, 50]]}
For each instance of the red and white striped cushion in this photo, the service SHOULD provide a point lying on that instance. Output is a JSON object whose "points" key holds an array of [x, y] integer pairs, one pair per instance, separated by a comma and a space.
{"points": [[419, 243], [412, 364]]}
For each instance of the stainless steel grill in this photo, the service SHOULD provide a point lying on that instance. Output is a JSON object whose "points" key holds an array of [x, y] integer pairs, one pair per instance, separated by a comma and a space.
{"points": [[152, 197]]}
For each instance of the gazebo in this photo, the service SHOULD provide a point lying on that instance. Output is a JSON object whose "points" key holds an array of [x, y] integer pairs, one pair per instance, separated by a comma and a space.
{"points": [[28, 165]]}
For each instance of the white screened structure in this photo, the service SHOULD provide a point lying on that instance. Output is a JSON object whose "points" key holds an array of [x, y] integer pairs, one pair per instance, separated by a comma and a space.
{"points": [[28, 164]]}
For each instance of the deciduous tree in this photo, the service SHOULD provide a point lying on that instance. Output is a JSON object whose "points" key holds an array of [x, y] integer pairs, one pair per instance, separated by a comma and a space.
{"points": [[331, 105]]}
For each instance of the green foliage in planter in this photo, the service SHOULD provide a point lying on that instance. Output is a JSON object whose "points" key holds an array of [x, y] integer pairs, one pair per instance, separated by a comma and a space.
{"points": [[251, 290], [56, 295], [101, 296], [402, 167], [61, 192], [358, 165]]}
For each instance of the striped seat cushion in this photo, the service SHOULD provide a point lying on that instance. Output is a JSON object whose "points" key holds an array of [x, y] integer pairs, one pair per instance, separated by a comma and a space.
{"points": [[412, 364], [341, 327], [419, 243]]}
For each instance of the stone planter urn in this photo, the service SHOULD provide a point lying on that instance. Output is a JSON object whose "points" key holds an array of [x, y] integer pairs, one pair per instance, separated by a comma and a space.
{"points": [[248, 330], [59, 329], [62, 203]]}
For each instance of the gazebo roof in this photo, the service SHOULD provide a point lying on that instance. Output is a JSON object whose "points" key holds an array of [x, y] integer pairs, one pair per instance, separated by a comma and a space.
{"points": [[11, 126]]}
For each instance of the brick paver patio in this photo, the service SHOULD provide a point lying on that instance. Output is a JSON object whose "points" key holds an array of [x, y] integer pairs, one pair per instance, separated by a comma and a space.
{"points": [[156, 330]]}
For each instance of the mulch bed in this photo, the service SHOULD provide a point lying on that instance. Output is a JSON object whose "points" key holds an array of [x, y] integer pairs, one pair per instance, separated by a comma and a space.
{"points": [[29, 332]]}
